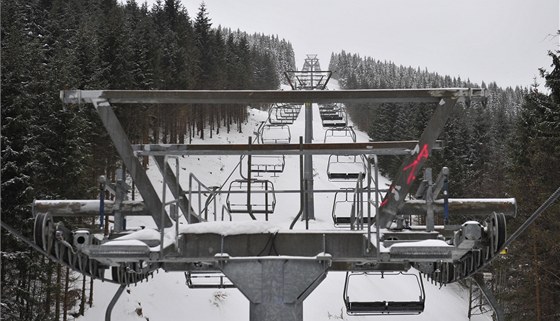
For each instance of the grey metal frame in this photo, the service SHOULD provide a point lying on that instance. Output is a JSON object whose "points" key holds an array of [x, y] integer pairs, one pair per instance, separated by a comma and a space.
{"points": [[292, 253]]}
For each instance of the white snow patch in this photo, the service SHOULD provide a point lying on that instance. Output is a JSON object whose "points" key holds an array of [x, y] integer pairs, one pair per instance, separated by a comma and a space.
{"points": [[144, 234], [124, 242], [425, 243], [230, 228]]}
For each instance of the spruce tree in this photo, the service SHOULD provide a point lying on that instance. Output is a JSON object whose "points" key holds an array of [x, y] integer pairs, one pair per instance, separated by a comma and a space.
{"points": [[536, 159]]}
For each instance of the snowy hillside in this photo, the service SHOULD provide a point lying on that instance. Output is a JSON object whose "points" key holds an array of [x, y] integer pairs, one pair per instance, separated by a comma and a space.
{"points": [[166, 296]]}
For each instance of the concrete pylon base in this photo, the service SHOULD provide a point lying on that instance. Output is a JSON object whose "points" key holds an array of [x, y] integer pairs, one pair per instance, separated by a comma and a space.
{"points": [[276, 286]]}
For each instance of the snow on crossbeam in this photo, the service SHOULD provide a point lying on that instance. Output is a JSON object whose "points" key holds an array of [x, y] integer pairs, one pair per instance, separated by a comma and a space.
{"points": [[464, 206], [229, 228], [86, 207]]}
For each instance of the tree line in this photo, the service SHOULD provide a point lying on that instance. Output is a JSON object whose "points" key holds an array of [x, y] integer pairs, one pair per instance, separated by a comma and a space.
{"points": [[508, 146], [51, 151]]}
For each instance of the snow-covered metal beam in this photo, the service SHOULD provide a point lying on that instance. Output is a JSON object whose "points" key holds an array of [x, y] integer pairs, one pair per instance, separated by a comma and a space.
{"points": [[86, 207], [464, 207], [430, 95], [377, 148]]}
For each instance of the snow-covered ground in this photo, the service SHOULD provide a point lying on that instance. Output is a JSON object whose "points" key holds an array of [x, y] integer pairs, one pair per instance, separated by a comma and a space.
{"points": [[166, 296]]}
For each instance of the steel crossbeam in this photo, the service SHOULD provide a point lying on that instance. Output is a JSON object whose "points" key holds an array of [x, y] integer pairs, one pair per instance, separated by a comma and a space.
{"points": [[377, 148], [430, 95]]}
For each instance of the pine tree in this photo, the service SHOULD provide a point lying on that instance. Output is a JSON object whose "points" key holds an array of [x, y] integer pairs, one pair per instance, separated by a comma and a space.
{"points": [[203, 38], [536, 158]]}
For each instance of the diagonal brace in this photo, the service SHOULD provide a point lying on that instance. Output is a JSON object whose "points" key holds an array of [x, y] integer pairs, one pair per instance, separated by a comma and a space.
{"points": [[412, 164], [176, 189], [124, 148]]}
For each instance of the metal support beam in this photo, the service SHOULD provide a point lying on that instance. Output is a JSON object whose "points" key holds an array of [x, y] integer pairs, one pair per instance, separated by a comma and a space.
{"points": [[411, 166], [309, 211], [430, 222], [121, 188], [348, 246], [86, 207], [457, 206], [163, 97], [463, 207], [175, 188], [377, 148], [276, 287], [123, 147]]}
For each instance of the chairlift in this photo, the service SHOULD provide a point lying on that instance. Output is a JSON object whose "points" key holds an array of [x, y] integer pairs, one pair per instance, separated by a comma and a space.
{"points": [[338, 119], [207, 280], [283, 114], [287, 112], [345, 209], [274, 134], [346, 167], [291, 109], [340, 134], [328, 108], [269, 164], [331, 114], [251, 197], [332, 117], [275, 117], [380, 306]]}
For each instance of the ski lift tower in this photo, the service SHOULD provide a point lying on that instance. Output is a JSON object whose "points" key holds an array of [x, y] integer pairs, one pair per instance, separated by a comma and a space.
{"points": [[277, 268], [310, 77]]}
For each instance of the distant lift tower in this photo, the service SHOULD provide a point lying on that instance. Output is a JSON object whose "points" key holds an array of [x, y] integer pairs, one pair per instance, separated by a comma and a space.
{"points": [[310, 77]]}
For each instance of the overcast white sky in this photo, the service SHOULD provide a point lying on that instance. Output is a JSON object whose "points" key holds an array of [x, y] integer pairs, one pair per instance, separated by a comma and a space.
{"points": [[492, 40]]}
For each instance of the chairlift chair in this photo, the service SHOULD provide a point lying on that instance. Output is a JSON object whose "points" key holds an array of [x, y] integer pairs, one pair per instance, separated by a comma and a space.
{"points": [[251, 197], [378, 306], [269, 164], [332, 116], [346, 167], [291, 109], [272, 164], [340, 119], [343, 133], [275, 118], [328, 107], [207, 280], [345, 209], [287, 112], [282, 115], [275, 134]]}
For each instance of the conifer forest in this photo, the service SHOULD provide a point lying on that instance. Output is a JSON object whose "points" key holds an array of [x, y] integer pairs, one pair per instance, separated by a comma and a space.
{"points": [[508, 146]]}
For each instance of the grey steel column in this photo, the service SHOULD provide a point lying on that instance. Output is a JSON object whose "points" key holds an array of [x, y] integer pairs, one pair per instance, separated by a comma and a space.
{"points": [[120, 189], [276, 288], [308, 165], [430, 222]]}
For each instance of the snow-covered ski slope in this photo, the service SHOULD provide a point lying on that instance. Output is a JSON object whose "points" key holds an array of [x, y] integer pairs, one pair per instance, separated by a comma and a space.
{"points": [[166, 296]]}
